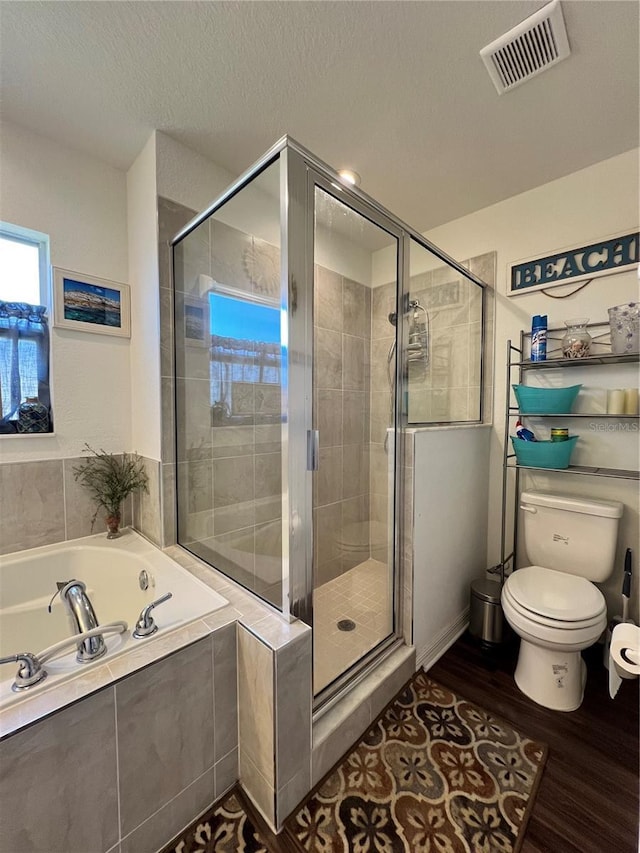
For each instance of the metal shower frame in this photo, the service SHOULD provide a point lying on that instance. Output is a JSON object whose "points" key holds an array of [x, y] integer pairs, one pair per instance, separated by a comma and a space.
{"points": [[300, 173]]}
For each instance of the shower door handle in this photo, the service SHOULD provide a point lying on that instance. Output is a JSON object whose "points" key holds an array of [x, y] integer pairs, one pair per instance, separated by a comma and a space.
{"points": [[313, 449]]}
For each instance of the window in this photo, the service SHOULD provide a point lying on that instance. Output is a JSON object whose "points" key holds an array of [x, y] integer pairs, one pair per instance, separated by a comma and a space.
{"points": [[25, 401], [245, 351]]}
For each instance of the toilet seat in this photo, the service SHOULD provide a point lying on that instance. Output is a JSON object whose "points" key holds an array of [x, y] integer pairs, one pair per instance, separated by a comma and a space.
{"points": [[554, 598], [566, 626], [567, 636]]}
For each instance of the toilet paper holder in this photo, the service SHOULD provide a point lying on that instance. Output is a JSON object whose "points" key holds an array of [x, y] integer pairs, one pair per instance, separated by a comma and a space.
{"points": [[624, 655]]}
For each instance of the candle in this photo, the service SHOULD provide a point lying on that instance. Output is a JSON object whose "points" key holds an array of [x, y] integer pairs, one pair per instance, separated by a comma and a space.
{"points": [[631, 401], [615, 402]]}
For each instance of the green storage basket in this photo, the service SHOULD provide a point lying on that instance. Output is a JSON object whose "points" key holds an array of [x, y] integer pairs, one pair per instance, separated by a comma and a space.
{"points": [[544, 454], [545, 401]]}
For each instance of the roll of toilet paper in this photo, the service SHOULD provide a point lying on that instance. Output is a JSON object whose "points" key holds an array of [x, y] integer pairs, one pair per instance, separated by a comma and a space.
{"points": [[624, 655]]}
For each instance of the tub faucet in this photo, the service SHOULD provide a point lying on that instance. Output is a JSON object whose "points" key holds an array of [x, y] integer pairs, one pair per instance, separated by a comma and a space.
{"points": [[74, 595]]}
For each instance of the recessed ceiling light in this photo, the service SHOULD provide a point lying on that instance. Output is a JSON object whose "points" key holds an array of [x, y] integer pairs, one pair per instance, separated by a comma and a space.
{"points": [[348, 176]]}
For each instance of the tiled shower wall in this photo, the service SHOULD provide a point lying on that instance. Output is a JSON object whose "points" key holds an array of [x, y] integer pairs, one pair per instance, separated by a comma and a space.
{"points": [[342, 343], [450, 388]]}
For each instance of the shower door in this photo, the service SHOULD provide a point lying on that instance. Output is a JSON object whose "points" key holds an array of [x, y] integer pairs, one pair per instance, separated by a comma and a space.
{"points": [[354, 495]]}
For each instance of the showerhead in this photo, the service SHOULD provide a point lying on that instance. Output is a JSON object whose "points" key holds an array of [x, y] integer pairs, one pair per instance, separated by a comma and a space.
{"points": [[418, 345]]}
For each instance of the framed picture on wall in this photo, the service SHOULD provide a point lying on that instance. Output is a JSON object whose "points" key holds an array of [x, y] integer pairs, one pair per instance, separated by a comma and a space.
{"points": [[88, 304], [196, 321]]}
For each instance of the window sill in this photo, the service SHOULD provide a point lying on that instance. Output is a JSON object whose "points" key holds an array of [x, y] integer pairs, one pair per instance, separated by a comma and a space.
{"points": [[27, 435]]}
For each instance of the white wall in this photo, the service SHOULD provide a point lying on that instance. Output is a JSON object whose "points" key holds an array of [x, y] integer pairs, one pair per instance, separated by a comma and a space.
{"points": [[81, 204], [187, 177], [581, 208], [145, 302], [450, 528]]}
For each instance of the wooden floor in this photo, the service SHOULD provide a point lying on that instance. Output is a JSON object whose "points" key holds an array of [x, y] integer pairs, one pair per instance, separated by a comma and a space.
{"points": [[588, 798]]}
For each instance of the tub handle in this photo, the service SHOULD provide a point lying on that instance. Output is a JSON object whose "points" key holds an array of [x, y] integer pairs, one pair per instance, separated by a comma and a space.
{"points": [[30, 671], [145, 626]]}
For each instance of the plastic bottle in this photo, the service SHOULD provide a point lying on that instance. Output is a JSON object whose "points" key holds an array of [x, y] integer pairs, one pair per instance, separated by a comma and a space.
{"points": [[524, 433], [539, 338]]}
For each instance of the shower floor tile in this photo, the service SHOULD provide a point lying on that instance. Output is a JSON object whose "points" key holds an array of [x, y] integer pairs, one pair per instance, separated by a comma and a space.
{"points": [[364, 595]]}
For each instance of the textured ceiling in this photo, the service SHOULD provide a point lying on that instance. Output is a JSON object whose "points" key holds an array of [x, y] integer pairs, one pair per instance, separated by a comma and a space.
{"points": [[395, 90]]}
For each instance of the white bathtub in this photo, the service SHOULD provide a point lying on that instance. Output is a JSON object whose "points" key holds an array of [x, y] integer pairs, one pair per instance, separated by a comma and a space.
{"points": [[111, 571]]}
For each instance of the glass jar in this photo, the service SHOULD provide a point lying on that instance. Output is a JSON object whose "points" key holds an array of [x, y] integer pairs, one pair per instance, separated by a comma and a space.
{"points": [[576, 342], [32, 416], [624, 322]]}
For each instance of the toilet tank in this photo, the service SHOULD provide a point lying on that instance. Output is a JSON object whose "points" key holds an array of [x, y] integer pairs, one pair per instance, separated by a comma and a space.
{"points": [[573, 535]]}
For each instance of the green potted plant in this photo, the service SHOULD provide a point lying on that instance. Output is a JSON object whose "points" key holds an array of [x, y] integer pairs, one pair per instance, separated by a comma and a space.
{"points": [[110, 479]]}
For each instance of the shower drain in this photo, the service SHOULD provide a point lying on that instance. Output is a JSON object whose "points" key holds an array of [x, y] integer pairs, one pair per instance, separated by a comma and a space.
{"points": [[346, 625]]}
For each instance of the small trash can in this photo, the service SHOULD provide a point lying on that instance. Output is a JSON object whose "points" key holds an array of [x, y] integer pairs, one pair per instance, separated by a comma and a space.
{"points": [[486, 619]]}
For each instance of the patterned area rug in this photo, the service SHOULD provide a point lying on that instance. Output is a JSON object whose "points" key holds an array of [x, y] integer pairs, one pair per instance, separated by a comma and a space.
{"points": [[434, 773], [226, 829]]}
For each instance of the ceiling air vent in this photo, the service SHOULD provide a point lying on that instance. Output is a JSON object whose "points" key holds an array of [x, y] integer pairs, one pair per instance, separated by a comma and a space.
{"points": [[536, 44]]}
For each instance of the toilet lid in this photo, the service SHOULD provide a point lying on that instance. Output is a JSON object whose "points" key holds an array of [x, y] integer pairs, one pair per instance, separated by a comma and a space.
{"points": [[556, 595]]}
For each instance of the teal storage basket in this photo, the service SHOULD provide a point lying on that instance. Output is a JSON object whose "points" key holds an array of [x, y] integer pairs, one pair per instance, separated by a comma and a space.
{"points": [[544, 454], [545, 401]]}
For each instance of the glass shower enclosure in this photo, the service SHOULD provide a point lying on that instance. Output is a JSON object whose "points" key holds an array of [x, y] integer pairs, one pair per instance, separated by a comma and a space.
{"points": [[289, 401]]}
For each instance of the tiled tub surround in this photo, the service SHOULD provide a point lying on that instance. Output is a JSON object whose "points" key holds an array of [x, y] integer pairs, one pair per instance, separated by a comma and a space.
{"points": [[128, 766], [274, 697], [110, 569], [276, 761], [274, 709], [145, 719], [42, 503]]}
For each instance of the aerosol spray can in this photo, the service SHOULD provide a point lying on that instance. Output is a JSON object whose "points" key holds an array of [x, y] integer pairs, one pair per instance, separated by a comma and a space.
{"points": [[539, 338]]}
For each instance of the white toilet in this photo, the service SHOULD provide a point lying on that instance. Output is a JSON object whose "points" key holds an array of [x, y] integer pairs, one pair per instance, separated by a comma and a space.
{"points": [[553, 605]]}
